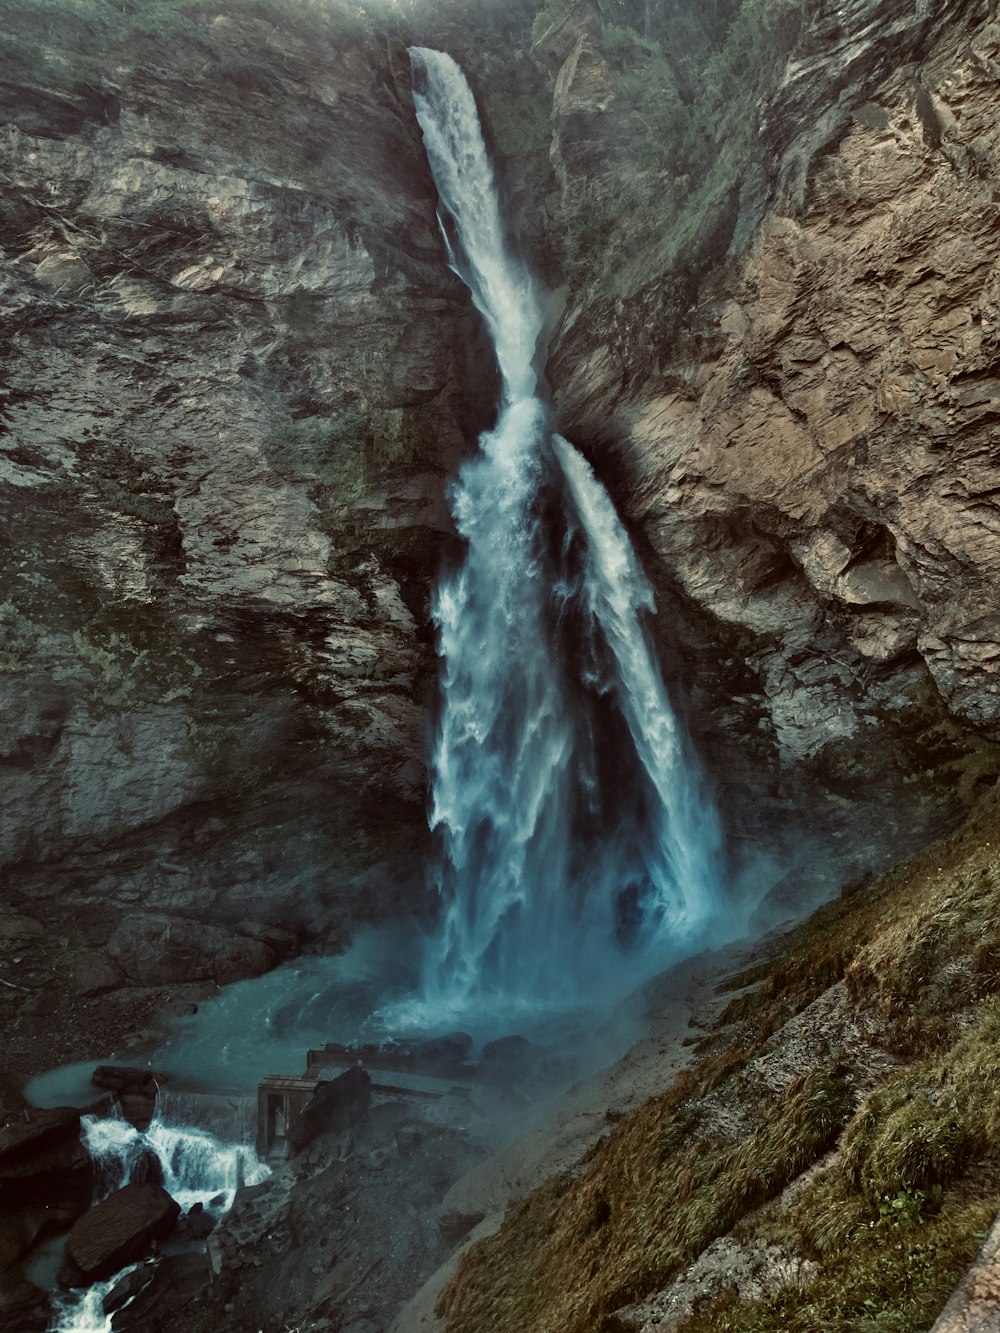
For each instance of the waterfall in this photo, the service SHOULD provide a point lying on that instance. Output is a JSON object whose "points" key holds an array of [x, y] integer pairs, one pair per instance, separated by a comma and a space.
{"points": [[196, 1166], [576, 843]]}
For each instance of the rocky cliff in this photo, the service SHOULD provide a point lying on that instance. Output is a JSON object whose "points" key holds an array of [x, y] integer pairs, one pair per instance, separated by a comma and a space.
{"points": [[790, 365], [237, 374]]}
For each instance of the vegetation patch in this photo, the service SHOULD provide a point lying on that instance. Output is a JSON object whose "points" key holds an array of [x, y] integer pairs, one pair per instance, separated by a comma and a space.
{"points": [[898, 1173]]}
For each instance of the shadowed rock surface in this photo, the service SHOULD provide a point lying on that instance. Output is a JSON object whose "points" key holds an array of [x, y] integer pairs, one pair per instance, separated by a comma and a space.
{"points": [[117, 1232]]}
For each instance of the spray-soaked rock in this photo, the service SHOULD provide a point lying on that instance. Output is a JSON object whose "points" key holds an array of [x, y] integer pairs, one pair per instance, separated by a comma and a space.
{"points": [[44, 1164], [335, 1107], [136, 1091], [117, 1232], [454, 1048]]}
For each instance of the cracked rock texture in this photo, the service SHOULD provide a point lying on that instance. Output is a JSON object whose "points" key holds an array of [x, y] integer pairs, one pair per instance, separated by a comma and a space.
{"points": [[236, 375], [812, 453]]}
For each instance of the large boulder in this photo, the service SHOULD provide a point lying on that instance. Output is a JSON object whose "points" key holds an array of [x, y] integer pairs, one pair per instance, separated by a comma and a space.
{"points": [[164, 1301], [117, 1232], [43, 1163], [136, 1091], [155, 949], [22, 1305], [452, 1048], [335, 1107]]}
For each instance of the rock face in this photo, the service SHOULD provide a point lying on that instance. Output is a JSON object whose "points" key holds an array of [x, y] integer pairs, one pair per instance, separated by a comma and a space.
{"points": [[236, 375], [117, 1232], [804, 429], [334, 1107], [45, 1181]]}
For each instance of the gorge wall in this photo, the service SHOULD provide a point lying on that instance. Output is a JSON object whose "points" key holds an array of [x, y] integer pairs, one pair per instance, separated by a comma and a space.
{"points": [[793, 363], [237, 374]]}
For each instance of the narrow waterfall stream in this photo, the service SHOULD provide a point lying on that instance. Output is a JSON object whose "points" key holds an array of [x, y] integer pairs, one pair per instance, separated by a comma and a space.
{"points": [[577, 844]]}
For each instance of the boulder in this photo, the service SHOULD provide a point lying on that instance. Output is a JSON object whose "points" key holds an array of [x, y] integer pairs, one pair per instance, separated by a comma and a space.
{"points": [[44, 1164], [22, 1305], [155, 950], [116, 1232], [128, 1287], [93, 973], [127, 1078], [198, 1223], [507, 1051], [136, 1091], [18, 1232], [35, 1130], [146, 1170], [334, 1107], [454, 1048], [168, 1299]]}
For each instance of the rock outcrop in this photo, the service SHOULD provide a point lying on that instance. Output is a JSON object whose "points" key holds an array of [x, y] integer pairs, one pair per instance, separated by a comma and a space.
{"points": [[117, 1232], [236, 376], [798, 411]]}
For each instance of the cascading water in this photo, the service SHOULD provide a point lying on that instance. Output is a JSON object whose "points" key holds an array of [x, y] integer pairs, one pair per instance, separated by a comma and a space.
{"points": [[576, 843], [195, 1167]]}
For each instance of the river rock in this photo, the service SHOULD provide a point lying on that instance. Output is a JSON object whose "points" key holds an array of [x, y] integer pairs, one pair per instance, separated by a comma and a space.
{"points": [[43, 1163], [156, 949], [136, 1091], [170, 1300], [22, 1305], [198, 1222], [128, 1287], [147, 1169], [117, 1232], [334, 1107], [35, 1130], [454, 1048]]}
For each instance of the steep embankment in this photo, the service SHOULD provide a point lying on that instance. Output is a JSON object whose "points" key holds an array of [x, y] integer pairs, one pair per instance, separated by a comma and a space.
{"points": [[840, 1131]]}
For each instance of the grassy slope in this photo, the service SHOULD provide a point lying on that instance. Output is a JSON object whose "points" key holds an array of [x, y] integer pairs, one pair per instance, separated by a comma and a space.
{"points": [[891, 1218]]}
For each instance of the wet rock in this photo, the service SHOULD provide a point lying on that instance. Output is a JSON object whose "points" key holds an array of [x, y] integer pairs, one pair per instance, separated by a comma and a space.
{"points": [[198, 1222], [136, 1091], [335, 1106], [127, 1078], [171, 1300], [454, 1048], [44, 1164], [156, 949], [117, 1232], [18, 1232], [506, 1051], [22, 1305], [35, 1131], [128, 1287], [147, 1169]]}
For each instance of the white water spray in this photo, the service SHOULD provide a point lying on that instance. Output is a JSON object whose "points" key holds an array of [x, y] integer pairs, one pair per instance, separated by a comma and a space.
{"points": [[196, 1168], [576, 845]]}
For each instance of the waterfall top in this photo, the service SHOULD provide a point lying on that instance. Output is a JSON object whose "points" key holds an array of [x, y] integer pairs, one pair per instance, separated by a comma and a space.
{"points": [[502, 288]]}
